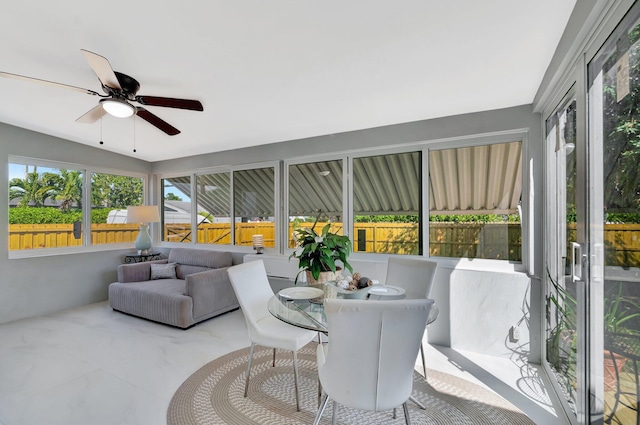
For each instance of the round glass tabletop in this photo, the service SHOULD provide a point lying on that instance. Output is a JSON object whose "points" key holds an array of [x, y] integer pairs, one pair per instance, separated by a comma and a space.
{"points": [[304, 308]]}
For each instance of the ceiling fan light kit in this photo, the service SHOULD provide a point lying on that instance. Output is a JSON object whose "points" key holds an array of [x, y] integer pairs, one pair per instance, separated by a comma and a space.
{"points": [[120, 89], [117, 107]]}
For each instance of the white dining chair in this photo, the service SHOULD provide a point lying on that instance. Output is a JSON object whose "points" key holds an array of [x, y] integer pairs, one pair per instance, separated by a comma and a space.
{"points": [[369, 360], [251, 285], [415, 276]]}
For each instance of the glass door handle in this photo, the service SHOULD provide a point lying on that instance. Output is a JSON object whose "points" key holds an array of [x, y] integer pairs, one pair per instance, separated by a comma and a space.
{"points": [[576, 261]]}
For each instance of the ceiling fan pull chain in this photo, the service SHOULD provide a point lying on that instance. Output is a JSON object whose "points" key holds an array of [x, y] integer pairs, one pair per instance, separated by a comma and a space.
{"points": [[101, 142], [134, 133]]}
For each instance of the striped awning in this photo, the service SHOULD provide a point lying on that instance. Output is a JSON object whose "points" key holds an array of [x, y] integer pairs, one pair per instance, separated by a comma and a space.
{"points": [[474, 180]]}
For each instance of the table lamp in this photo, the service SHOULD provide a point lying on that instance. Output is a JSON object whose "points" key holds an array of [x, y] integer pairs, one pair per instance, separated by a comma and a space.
{"points": [[258, 243], [143, 215]]}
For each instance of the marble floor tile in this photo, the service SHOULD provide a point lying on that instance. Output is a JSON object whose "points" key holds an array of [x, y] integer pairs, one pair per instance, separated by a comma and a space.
{"points": [[92, 365]]}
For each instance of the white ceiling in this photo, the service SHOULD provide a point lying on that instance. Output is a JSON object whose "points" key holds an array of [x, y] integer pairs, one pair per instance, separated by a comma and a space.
{"points": [[270, 71]]}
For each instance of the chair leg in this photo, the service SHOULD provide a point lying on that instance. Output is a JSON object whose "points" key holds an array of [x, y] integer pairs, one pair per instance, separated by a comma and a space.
{"points": [[246, 382], [319, 391], [274, 358], [407, 419], [321, 408], [295, 377], [334, 416], [417, 403], [424, 364]]}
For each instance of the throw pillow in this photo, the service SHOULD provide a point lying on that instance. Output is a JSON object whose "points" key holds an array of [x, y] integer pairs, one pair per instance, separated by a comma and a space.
{"points": [[163, 271]]}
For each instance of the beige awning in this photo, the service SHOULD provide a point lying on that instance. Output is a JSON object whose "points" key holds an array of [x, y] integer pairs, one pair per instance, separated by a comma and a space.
{"points": [[475, 180]]}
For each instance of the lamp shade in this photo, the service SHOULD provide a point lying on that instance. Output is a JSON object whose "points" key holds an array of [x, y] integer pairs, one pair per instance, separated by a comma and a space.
{"points": [[143, 214], [258, 241]]}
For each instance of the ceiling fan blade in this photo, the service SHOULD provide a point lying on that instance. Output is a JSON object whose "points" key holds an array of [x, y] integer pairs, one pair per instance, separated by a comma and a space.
{"points": [[157, 122], [192, 105], [49, 83], [102, 68], [92, 115]]}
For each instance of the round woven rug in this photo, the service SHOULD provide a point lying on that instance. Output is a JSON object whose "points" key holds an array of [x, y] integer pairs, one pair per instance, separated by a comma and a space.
{"points": [[214, 395]]}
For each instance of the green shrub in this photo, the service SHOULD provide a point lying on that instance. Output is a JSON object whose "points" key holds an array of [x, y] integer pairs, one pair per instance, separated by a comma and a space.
{"points": [[49, 215]]}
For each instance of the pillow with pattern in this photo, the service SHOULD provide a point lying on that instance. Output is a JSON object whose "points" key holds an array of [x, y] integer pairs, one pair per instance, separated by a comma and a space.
{"points": [[163, 271]]}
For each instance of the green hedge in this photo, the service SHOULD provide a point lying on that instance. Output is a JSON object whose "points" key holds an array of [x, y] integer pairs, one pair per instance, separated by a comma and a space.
{"points": [[48, 215]]}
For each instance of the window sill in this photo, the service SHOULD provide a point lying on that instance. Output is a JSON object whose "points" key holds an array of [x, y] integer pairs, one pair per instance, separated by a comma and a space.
{"points": [[49, 252]]}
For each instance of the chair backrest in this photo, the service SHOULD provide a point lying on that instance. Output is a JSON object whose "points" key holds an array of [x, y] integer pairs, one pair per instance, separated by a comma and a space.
{"points": [[372, 351], [414, 275], [251, 285]]}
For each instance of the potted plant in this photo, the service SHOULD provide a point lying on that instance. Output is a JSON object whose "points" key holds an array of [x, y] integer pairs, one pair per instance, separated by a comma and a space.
{"points": [[317, 253], [618, 311]]}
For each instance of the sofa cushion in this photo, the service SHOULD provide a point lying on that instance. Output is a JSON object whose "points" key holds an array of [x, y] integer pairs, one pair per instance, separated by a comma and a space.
{"points": [[163, 271], [159, 300], [184, 270], [200, 257]]}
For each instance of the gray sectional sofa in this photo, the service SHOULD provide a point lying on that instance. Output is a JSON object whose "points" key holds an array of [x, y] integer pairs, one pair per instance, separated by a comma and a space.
{"points": [[199, 290]]}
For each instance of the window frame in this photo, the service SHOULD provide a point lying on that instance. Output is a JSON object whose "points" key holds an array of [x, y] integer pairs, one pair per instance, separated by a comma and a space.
{"points": [[425, 147], [527, 201], [232, 247], [346, 200], [87, 244], [381, 152]]}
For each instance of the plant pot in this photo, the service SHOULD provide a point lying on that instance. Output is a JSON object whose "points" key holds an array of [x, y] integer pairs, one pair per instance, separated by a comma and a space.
{"points": [[610, 365], [324, 277]]}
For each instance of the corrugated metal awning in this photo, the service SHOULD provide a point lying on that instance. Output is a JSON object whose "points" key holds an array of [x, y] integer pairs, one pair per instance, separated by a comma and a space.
{"points": [[475, 180]]}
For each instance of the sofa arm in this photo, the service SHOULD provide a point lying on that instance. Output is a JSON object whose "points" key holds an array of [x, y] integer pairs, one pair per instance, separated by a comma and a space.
{"points": [[210, 290], [137, 272]]}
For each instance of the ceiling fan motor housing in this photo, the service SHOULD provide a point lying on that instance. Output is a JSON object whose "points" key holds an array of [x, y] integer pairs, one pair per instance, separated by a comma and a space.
{"points": [[130, 85]]}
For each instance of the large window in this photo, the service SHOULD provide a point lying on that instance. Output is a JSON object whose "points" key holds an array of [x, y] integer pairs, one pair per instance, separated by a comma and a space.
{"points": [[474, 197], [176, 209], [474, 202], [387, 207], [111, 194], [253, 209], [315, 196], [254, 205], [47, 206], [214, 208]]}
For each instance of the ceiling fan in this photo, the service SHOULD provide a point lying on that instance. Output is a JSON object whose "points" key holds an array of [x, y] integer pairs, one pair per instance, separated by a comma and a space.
{"points": [[120, 90]]}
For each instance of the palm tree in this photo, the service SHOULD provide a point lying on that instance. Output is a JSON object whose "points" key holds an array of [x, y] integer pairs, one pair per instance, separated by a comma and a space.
{"points": [[70, 192], [35, 188]]}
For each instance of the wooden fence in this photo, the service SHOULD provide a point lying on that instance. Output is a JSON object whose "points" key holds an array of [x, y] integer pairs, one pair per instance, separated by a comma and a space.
{"points": [[35, 236], [496, 241], [458, 240]]}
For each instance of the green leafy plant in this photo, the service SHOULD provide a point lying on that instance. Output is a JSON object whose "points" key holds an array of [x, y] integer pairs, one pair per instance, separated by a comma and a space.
{"points": [[619, 310], [561, 309], [319, 252]]}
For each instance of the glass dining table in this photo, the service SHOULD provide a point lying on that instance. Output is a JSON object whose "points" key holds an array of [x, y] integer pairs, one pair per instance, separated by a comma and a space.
{"points": [[303, 306]]}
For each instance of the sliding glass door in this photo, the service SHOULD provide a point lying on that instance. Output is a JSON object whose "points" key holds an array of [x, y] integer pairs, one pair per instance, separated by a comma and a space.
{"points": [[614, 224], [565, 293]]}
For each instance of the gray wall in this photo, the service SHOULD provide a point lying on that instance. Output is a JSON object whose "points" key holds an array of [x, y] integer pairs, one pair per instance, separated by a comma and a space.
{"points": [[418, 131], [42, 285], [36, 286]]}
